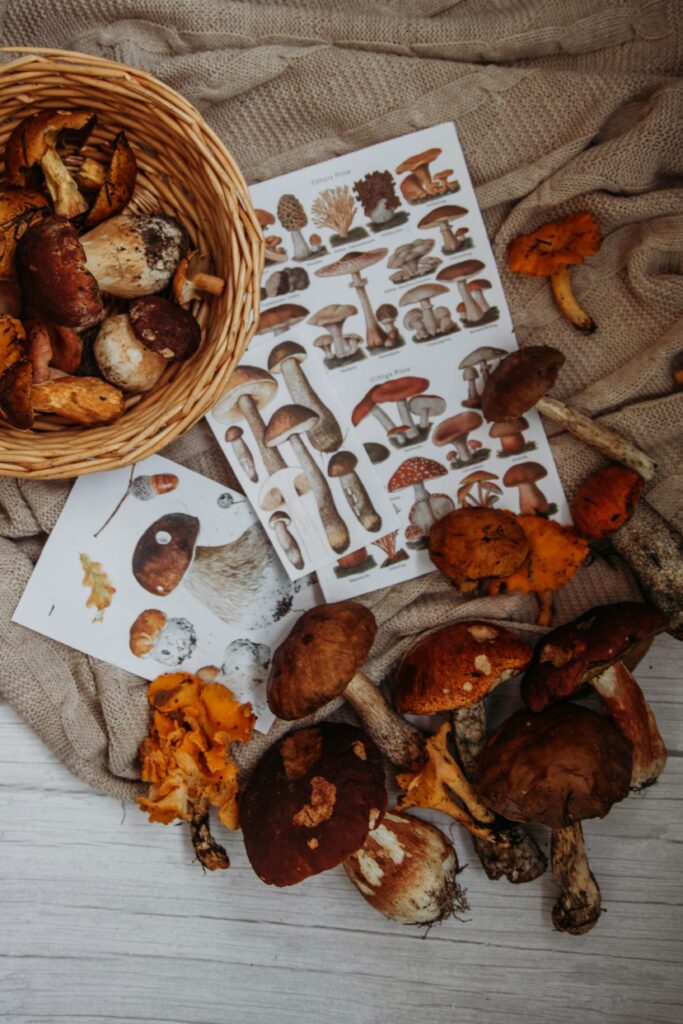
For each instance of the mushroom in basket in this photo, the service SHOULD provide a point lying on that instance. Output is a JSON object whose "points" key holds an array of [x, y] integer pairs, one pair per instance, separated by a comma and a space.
{"points": [[19, 209]]}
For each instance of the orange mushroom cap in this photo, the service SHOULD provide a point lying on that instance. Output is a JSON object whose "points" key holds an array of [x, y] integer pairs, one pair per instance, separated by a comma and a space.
{"points": [[555, 245], [606, 500]]}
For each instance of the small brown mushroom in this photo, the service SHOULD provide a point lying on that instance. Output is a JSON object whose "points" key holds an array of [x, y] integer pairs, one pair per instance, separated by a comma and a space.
{"points": [[524, 475], [342, 466], [442, 218], [118, 185], [193, 278], [461, 273], [279, 319], [235, 436], [510, 435], [286, 358], [280, 522], [164, 327]]}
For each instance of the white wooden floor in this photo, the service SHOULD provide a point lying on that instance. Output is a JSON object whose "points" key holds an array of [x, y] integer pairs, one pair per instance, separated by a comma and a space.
{"points": [[106, 918]]}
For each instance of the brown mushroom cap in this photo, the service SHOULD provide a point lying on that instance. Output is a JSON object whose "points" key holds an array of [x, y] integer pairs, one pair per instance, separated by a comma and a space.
{"points": [[420, 160], [442, 215], [524, 473], [19, 209], [164, 328], [486, 353], [32, 137], [558, 767], [53, 274], [264, 218], [145, 631], [319, 658], [333, 314], [163, 554], [456, 426], [576, 652], [342, 463], [285, 350], [508, 427], [457, 666], [414, 471], [233, 434], [288, 420], [456, 270], [519, 380], [258, 384], [285, 315], [352, 262], [311, 801], [386, 312], [421, 292], [376, 452], [470, 544]]}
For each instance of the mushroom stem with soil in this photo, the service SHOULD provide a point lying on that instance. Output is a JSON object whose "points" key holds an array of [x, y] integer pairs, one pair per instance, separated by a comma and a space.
{"points": [[579, 904]]}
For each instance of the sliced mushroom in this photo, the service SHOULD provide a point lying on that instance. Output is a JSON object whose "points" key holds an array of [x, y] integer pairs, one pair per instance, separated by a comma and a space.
{"points": [[117, 188]]}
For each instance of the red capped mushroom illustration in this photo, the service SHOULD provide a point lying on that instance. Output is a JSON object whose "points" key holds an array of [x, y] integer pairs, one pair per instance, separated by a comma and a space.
{"points": [[341, 349], [479, 489], [412, 259], [354, 263], [249, 390], [426, 321], [392, 554], [342, 467], [335, 208], [286, 359], [475, 314], [354, 563], [428, 508], [144, 488], [275, 253], [415, 409], [532, 500], [478, 365], [455, 430], [377, 195], [293, 218], [419, 185], [442, 219], [279, 319], [510, 436]]}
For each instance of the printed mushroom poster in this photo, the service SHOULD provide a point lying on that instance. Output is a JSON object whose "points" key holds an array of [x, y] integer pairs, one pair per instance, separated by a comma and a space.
{"points": [[157, 569], [353, 422]]}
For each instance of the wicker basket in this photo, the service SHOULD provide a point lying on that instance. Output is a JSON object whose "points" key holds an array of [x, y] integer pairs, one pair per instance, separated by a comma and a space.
{"points": [[183, 169]]}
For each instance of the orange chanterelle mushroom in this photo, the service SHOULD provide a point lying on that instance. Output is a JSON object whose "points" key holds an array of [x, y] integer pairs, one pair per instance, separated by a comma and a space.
{"points": [[549, 252], [186, 758]]}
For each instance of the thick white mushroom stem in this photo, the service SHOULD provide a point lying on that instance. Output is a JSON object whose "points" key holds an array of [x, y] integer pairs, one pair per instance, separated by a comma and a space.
{"points": [[272, 459], [462, 448], [288, 543], [376, 337], [400, 742], [66, 198], [382, 418], [450, 242], [428, 318], [561, 284], [473, 312], [326, 435], [336, 329], [578, 907], [335, 528], [532, 500], [597, 436], [300, 248], [624, 701]]}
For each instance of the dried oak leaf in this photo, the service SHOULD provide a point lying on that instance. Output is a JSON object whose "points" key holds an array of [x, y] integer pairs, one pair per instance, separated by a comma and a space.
{"points": [[101, 589]]}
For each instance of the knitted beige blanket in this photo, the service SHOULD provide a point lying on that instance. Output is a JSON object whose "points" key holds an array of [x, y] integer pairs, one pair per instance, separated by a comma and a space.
{"points": [[561, 105]]}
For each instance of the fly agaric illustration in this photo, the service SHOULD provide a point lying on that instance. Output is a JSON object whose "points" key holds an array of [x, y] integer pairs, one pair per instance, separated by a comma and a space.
{"points": [[274, 251], [525, 475], [377, 195], [455, 431], [412, 259], [168, 641], [193, 279], [420, 185], [520, 382], [510, 435], [442, 218], [479, 489], [332, 318], [387, 545], [354, 263], [286, 425], [234, 436], [472, 545], [286, 358], [279, 319], [249, 390], [292, 216], [143, 488], [428, 508], [34, 146], [241, 582], [342, 467], [423, 294], [335, 208], [461, 273], [282, 492], [550, 251], [355, 562], [556, 768], [279, 523], [19, 209]]}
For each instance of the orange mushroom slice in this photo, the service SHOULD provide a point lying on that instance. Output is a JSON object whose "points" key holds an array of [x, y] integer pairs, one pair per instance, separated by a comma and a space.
{"points": [[117, 186], [555, 554], [550, 251], [605, 500], [16, 374], [186, 758]]}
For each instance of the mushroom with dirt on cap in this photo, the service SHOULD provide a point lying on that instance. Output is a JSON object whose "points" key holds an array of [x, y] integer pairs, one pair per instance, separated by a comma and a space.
{"points": [[279, 522], [442, 218], [286, 358], [249, 390], [234, 436], [453, 670], [168, 641], [332, 319], [511, 438], [428, 508], [342, 467], [550, 251], [520, 382], [557, 768], [131, 256], [461, 273], [524, 476], [423, 294], [471, 545], [354, 263], [321, 659], [599, 648], [279, 319], [193, 279], [455, 431]]}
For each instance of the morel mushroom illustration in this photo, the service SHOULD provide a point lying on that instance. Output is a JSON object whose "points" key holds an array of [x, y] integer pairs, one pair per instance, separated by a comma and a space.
{"points": [[483, 483], [168, 641], [532, 500], [378, 197], [387, 316], [412, 259], [392, 554], [423, 294], [511, 437], [287, 424], [428, 508], [455, 431], [332, 319], [292, 216], [353, 563], [193, 279], [241, 582], [274, 251], [335, 208], [354, 263], [280, 522], [234, 437], [279, 319], [249, 390], [461, 273], [442, 218], [286, 358], [342, 467]]}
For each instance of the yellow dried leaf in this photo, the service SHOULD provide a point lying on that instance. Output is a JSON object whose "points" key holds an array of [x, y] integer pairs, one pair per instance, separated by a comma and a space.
{"points": [[101, 589]]}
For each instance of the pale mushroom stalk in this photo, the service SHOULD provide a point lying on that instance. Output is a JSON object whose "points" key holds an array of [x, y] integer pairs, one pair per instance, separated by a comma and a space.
{"points": [[272, 459], [382, 418], [578, 907], [407, 419], [243, 455], [473, 310], [287, 542], [450, 242], [335, 527], [428, 317], [326, 435], [61, 186], [462, 448], [376, 337], [532, 500], [478, 296], [337, 332], [359, 500], [398, 740]]}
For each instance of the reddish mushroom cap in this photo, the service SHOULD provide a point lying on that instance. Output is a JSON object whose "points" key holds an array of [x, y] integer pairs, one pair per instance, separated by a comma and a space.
{"points": [[352, 262], [415, 471], [163, 554], [456, 426], [399, 389]]}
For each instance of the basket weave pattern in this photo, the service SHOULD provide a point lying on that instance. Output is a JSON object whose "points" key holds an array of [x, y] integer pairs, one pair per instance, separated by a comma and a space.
{"points": [[183, 170]]}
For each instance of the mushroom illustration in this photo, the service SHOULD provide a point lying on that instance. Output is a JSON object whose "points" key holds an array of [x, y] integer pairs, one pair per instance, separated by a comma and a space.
{"points": [[287, 424], [427, 407], [378, 197], [332, 319], [412, 259], [241, 582], [335, 208], [423, 294], [401, 390], [131, 256], [342, 467], [510, 435], [274, 251], [520, 382], [116, 186], [286, 358], [369, 406], [279, 319], [354, 263], [387, 316], [461, 274], [292, 216], [417, 167], [325, 343], [483, 358], [476, 289], [193, 279], [285, 488], [279, 522], [376, 452], [249, 390], [470, 376], [168, 641], [355, 562], [413, 321], [392, 554], [485, 487], [454, 430], [524, 475], [414, 473], [234, 436], [245, 668], [444, 319], [442, 218]]}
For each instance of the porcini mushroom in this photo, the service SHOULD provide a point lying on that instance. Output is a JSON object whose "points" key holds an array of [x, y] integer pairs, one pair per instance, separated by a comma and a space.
{"points": [[442, 218], [342, 467], [249, 390], [455, 431], [19, 209], [286, 425], [596, 648], [311, 801], [524, 475], [123, 359], [131, 256], [36, 141], [557, 768], [462, 273], [193, 278], [354, 263], [520, 382], [118, 184], [332, 319], [279, 319], [428, 508], [423, 294], [279, 522], [292, 216], [474, 544], [321, 659], [476, 289], [168, 641], [510, 435], [235, 437], [550, 251], [286, 358]]}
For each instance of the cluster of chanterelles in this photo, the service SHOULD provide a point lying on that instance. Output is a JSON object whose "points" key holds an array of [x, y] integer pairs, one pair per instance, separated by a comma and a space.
{"points": [[67, 248]]}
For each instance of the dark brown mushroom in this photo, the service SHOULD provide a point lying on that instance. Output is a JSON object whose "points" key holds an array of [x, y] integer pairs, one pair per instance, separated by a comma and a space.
{"points": [[164, 328], [474, 544]]}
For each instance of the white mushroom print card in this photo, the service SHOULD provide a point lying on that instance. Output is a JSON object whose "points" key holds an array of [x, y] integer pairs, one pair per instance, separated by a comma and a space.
{"points": [[382, 317], [158, 569]]}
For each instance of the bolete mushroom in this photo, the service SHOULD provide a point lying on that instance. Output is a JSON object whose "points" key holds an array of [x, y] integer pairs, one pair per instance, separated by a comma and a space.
{"points": [[118, 184], [342, 467], [524, 476], [168, 641], [279, 319], [131, 256], [354, 263], [462, 273], [279, 522], [193, 279], [474, 544], [455, 430], [286, 358], [442, 218], [311, 801], [123, 359], [597, 648], [19, 209], [510, 435], [423, 294], [321, 659], [248, 391], [550, 251], [428, 508], [557, 768], [235, 437], [520, 382]]}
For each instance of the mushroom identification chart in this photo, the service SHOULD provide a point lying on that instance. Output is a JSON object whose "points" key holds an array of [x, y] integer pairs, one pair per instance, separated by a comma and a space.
{"points": [[354, 420], [158, 569]]}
